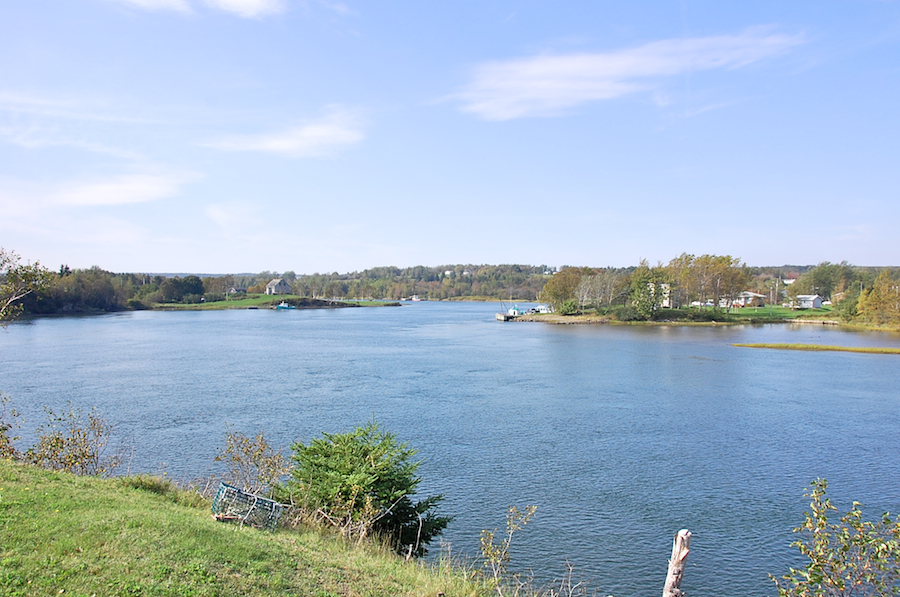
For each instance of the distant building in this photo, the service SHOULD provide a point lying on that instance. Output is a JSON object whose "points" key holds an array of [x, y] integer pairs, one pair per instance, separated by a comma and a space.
{"points": [[236, 290], [745, 299], [278, 286], [809, 301]]}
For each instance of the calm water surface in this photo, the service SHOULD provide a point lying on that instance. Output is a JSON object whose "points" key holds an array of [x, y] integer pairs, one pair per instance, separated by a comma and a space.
{"points": [[620, 435]]}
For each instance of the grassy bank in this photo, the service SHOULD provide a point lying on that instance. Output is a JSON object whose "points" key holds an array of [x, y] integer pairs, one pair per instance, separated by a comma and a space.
{"points": [[869, 350], [61, 534]]}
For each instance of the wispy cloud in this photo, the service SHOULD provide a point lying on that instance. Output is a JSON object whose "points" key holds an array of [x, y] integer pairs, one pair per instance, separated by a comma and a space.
{"points": [[176, 5], [338, 7], [36, 137], [69, 109], [249, 8], [119, 190], [323, 137], [233, 218], [549, 84]]}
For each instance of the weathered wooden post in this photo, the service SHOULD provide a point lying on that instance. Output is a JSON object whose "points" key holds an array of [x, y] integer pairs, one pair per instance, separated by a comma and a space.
{"points": [[680, 550]]}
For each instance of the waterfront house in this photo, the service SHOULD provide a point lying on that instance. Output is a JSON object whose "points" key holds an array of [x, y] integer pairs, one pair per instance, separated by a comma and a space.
{"points": [[278, 286], [749, 299], [809, 301]]}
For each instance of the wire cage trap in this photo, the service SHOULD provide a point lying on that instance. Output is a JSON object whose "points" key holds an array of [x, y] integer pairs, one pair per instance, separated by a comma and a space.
{"points": [[235, 504]]}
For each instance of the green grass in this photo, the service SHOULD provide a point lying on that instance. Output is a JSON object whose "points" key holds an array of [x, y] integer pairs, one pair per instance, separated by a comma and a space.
{"points": [[781, 313], [61, 534], [865, 349]]}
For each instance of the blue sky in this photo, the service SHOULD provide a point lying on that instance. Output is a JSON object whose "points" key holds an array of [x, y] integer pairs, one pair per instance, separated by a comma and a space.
{"points": [[245, 135]]}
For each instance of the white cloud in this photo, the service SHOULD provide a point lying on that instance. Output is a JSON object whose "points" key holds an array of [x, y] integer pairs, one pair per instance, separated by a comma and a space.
{"points": [[323, 137], [549, 84], [249, 8], [119, 190], [338, 7], [36, 137], [233, 218], [176, 5]]}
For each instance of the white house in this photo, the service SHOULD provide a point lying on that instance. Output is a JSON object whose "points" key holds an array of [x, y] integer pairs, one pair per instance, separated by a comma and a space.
{"points": [[809, 301], [749, 299], [278, 286]]}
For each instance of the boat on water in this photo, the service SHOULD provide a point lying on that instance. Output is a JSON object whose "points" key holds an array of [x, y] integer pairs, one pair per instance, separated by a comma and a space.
{"points": [[284, 305]]}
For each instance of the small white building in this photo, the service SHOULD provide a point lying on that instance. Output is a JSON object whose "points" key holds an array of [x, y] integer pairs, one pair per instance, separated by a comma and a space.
{"points": [[278, 286], [809, 301], [747, 299]]}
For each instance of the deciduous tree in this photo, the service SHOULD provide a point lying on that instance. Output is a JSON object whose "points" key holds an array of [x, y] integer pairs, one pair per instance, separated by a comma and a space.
{"points": [[16, 282]]}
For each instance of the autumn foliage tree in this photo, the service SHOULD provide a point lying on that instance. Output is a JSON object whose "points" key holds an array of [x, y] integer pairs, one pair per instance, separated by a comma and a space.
{"points": [[563, 286], [881, 303]]}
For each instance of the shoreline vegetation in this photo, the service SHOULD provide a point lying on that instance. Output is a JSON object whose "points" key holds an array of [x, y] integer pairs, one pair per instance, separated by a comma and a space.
{"points": [[702, 289], [712, 317]]}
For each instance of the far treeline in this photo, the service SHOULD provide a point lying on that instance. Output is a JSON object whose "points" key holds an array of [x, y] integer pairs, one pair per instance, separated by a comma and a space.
{"points": [[95, 289], [708, 286], [709, 283]]}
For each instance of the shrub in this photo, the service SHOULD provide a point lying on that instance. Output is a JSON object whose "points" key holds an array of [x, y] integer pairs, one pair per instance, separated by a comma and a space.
{"points": [[626, 313], [850, 557], [68, 442], [496, 557], [136, 304], [8, 422], [568, 308], [362, 482], [251, 463]]}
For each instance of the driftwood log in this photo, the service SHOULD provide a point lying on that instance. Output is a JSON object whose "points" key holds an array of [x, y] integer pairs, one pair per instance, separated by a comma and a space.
{"points": [[680, 550]]}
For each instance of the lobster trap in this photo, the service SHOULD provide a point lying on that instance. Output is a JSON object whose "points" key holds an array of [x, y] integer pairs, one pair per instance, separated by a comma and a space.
{"points": [[233, 504]]}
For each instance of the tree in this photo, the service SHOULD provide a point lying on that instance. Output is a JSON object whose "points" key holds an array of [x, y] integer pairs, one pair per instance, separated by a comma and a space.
{"points": [[363, 482], [881, 303], [563, 285], [16, 282], [849, 558], [648, 289]]}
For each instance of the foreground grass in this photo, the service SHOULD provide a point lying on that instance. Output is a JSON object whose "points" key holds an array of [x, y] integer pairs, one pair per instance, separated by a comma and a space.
{"points": [[61, 534], [870, 350]]}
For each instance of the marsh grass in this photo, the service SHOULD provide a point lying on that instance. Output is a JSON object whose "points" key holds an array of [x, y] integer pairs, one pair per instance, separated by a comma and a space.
{"points": [[824, 347]]}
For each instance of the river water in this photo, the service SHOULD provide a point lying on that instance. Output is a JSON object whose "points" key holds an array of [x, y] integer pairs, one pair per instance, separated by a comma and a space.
{"points": [[620, 435]]}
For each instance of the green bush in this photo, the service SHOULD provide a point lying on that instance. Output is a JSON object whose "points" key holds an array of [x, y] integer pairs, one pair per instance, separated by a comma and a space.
{"points": [[363, 482], [136, 304], [626, 313], [568, 308]]}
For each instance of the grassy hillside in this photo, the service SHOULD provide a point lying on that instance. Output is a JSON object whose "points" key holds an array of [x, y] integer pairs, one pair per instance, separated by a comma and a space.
{"points": [[62, 534]]}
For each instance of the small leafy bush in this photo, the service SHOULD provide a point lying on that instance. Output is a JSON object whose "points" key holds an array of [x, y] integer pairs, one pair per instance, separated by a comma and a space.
{"points": [[363, 483], [251, 463], [846, 558], [8, 422], [69, 442]]}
